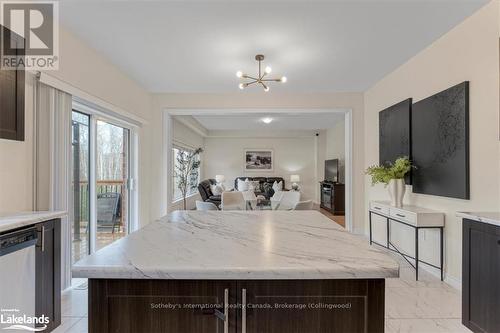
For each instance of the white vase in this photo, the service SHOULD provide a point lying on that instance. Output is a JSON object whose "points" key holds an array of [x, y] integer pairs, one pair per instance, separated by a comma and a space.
{"points": [[397, 190]]}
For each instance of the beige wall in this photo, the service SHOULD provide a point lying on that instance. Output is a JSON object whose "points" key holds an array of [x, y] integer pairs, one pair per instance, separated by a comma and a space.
{"points": [[250, 101], [93, 74], [468, 52]]}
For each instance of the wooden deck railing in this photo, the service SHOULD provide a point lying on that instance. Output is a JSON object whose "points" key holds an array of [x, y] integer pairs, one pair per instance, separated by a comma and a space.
{"points": [[102, 186]]}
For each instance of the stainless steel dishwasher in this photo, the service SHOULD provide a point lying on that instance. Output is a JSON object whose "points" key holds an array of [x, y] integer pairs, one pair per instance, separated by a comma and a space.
{"points": [[17, 277]]}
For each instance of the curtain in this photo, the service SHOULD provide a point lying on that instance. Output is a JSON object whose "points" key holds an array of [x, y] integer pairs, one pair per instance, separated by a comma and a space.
{"points": [[52, 184]]}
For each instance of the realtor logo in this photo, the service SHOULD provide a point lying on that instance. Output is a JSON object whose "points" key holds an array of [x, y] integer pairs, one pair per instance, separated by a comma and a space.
{"points": [[30, 35], [14, 319]]}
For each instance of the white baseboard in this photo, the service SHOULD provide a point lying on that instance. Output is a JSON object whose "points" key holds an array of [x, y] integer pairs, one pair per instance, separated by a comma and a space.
{"points": [[451, 280]]}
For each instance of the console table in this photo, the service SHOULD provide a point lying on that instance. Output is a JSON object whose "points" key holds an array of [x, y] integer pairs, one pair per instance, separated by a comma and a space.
{"points": [[411, 216]]}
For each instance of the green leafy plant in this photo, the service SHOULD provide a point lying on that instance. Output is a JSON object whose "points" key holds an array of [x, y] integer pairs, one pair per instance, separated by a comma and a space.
{"points": [[383, 174], [186, 171]]}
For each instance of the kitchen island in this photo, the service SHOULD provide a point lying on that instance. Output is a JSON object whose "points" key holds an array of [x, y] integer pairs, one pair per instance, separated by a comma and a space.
{"points": [[252, 271]]}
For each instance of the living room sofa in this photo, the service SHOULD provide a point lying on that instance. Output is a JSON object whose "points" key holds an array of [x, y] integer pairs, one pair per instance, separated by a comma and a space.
{"points": [[266, 185]]}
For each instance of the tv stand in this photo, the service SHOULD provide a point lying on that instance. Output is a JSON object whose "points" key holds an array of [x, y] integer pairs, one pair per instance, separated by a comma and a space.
{"points": [[333, 197]]}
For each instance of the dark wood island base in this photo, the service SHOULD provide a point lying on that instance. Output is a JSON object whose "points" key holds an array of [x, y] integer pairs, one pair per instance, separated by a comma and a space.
{"points": [[189, 306]]}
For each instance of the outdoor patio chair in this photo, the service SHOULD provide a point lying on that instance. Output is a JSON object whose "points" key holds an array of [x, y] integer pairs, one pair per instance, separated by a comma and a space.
{"points": [[108, 210]]}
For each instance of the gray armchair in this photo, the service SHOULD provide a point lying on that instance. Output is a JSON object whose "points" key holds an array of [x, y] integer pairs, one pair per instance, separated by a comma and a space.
{"points": [[206, 193]]}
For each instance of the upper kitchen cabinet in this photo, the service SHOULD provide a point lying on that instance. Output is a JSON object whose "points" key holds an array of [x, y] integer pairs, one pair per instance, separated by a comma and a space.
{"points": [[11, 92]]}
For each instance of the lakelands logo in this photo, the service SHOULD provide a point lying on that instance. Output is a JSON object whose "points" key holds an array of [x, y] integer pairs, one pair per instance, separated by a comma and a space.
{"points": [[30, 35], [12, 319]]}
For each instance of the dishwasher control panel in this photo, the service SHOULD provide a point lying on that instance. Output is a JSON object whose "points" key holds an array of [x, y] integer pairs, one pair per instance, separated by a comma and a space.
{"points": [[16, 240]]}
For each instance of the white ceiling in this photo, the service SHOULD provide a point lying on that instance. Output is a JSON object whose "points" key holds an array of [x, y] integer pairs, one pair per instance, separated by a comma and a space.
{"points": [[253, 122], [321, 46]]}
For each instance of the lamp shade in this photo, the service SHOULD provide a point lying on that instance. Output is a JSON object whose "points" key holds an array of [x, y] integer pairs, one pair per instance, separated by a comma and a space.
{"points": [[295, 178], [220, 178]]}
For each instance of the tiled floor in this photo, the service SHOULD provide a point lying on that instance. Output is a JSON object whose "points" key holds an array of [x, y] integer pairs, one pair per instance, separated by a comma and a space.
{"points": [[426, 306], [74, 309]]}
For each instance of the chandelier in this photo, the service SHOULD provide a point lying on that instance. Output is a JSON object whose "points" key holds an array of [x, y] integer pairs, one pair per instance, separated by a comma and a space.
{"points": [[261, 78]]}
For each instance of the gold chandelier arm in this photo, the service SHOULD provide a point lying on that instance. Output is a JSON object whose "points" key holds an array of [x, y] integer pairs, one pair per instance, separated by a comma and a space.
{"points": [[271, 80], [263, 84], [252, 82], [249, 77]]}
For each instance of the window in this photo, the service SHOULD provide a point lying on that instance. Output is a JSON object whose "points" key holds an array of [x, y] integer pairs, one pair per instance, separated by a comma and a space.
{"points": [[182, 154]]}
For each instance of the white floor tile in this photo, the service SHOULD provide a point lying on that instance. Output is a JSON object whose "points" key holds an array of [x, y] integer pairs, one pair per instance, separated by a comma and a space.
{"points": [[66, 324], [422, 302], [74, 303], [425, 326], [80, 327]]}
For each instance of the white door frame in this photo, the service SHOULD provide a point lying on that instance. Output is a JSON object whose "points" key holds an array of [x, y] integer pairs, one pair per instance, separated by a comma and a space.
{"points": [[166, 195], [133, 156]]}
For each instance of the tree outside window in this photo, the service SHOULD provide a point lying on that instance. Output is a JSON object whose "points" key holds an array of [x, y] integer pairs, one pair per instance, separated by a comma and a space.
{"points": [[186, 173]]}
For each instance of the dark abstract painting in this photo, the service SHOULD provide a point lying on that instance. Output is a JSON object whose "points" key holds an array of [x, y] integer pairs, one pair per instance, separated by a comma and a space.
{"points": [[440, 143], [394, 133]]}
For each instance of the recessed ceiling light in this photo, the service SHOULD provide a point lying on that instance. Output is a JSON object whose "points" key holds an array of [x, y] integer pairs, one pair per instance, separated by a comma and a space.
{"points": [[267, 120]]}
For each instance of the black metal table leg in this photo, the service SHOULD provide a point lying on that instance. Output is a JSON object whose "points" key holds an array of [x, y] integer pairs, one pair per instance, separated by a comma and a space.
{"points": [[416, 254], [388, 222], [441, 244], [370, 222]]}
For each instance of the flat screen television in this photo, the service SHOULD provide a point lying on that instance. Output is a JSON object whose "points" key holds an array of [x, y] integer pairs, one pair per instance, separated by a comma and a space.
{"points": [[332, 170]]}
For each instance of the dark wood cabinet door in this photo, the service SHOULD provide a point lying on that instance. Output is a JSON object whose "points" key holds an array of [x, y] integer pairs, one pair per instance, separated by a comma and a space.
{"points": [[48, 273], [320, 306], [339, 199], [12, 95], [160, 306], [481, 277], [333, 197]]}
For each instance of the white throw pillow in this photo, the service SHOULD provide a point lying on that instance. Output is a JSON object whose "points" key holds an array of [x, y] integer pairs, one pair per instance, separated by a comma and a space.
{"points": [[242, 185], [254, 185], [216, 189], [277, 186]]}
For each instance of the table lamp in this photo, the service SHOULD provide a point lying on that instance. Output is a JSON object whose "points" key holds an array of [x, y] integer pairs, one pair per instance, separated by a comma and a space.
{"points": [[295, 179], [220, 179]]}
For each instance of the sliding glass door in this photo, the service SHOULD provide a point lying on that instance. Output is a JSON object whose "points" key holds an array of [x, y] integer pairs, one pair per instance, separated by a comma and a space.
{"points": [[100, 179], [80, 176], [112, 174]]}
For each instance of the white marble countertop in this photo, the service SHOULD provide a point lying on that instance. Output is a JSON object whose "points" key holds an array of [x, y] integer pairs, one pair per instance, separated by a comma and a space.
{"points": [[239, 245], [9, 221], [486, 217]]}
